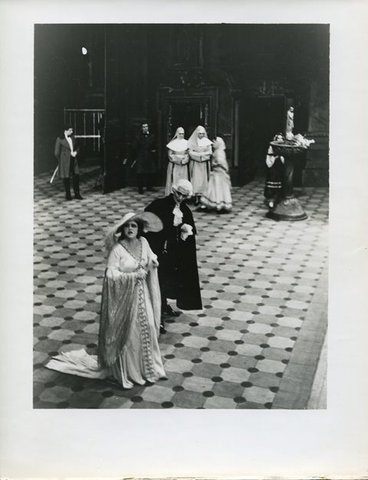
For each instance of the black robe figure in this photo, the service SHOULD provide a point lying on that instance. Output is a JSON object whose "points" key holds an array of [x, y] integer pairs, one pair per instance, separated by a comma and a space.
{"points": [[178, 270], [273, 190]]}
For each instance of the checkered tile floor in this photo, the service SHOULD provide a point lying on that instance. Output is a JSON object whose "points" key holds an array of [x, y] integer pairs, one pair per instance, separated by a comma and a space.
{"points": [[255, 344]]}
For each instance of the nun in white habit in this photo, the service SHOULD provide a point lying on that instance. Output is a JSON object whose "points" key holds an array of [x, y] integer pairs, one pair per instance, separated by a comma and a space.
{"points": [[200, 152], [178, 167], [218, 195]]}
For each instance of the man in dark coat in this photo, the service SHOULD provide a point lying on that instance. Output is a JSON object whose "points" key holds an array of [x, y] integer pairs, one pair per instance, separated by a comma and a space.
{"points": [[175, 247], [145, 157], [66, 151]]}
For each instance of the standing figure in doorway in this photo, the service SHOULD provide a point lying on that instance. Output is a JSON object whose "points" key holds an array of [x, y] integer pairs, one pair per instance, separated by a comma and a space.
{"points": [[218, 194], [200, 152], [175, 247], [145, 158], [66, 151], [178, 167]]}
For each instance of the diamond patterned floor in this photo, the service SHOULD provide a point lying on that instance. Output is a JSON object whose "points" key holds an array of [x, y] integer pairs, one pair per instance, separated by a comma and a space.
{"points": [[255, 344]]}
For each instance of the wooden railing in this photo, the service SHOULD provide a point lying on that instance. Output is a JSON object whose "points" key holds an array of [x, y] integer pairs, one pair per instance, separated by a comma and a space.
{"points": [[87, 125]]}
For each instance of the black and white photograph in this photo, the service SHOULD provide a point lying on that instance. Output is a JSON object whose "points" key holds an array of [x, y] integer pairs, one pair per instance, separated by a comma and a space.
{"points": [[181, 196], [183, 239]]}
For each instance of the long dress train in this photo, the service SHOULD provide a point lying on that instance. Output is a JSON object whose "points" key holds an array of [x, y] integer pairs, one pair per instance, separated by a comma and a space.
{"points": [[128, 347]]}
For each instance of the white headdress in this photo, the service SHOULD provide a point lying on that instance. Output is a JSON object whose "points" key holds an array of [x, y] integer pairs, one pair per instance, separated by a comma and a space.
{"points": [[219, 144], [178, 144], [195, 142], [151, 223]]}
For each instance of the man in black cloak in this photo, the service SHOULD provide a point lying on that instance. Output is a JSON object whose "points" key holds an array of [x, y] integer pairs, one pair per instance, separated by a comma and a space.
{"points": [[145, 155], [175, 247]]}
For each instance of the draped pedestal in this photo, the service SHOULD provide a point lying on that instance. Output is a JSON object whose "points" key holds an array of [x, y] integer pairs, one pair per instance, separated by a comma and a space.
{"points": [[289, 207]]}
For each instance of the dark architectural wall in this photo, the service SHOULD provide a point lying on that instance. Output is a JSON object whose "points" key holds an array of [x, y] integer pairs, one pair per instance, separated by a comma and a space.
{"points": [[238, 80], [258, 71], [64, 78]]}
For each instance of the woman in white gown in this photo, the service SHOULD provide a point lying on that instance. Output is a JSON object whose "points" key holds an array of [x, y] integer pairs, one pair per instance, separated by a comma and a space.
{"points": [[218, 194], [200, 152], [178, 167], [128, 349]]}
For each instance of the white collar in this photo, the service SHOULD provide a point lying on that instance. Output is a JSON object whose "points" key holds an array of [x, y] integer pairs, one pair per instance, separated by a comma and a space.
{"points": [[178, 145], [70, 141]]}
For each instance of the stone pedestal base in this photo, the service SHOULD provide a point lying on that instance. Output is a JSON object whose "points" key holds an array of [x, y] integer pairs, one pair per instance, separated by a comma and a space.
{"points": [[288, 209]]}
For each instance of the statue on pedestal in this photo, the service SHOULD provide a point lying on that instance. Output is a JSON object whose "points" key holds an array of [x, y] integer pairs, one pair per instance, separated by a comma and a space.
{"points": [[290, 121], [284, 206]]}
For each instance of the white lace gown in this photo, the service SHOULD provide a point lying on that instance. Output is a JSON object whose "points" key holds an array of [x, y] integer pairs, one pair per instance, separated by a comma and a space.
{"points": [[218, 193], [139, 360]]}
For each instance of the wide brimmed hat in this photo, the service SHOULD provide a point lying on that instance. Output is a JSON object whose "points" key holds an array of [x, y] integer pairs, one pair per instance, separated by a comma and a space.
{"points": [[151, 223]]}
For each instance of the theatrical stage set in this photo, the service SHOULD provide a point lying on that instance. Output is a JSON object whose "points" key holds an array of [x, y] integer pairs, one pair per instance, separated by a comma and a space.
{"points": [[181, 216]]}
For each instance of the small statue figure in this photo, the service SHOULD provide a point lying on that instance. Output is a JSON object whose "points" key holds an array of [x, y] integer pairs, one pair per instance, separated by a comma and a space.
{"points": [[290, 120]]}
